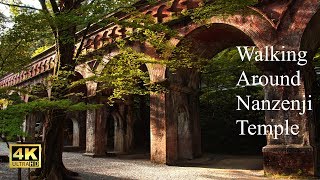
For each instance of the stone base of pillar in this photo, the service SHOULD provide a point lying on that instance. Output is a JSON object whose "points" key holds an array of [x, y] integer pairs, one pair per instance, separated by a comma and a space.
{"points": [[288, 160]]}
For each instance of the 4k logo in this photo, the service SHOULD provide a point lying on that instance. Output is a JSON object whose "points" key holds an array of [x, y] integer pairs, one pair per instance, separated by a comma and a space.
{"points": [[25, 156]]}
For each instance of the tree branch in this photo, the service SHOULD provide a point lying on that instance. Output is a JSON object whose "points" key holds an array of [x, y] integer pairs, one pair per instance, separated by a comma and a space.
{"points": [[12, 50], [85, 32], [20, 6], [44, 6], [9, 54], [46, 10], [55, 7], [78, 2]]}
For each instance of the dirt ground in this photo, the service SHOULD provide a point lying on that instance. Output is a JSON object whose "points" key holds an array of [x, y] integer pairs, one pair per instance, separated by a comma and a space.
{"points": [[138, 166]]}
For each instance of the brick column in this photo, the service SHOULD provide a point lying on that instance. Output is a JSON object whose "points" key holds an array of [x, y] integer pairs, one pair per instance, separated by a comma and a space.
{"points": [[75, 133], [123, 127], [290, 154], [95, 125], [163, 140], [174, 122]]}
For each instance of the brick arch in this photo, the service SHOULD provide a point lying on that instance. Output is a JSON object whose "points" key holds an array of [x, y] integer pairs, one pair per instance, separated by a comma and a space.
{"points": [[38, 68], [114, 33], [149, 13], [46, 65], [35, 70], [162, 13], [89, 44], [256, 27], [206, 42], [84, 70], [42, 66], [81, 88], [51, 63], [217, 37], [184, 85], [97, 42], [299, 21], [105, 36], [310, 40]]}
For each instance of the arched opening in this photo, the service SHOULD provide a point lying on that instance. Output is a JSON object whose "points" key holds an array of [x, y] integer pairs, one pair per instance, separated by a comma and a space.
{"points": [[68, 132], [39, 129], [76, 121], [141, 108], [194, 121], [310, 42], [142, 123], [35, 120], [75, 133], [72, 132], [219, 98], [110, 134], [127, 124]]}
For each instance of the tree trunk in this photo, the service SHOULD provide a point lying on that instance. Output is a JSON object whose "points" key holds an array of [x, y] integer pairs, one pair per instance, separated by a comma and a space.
{"points": [[52, 165]]}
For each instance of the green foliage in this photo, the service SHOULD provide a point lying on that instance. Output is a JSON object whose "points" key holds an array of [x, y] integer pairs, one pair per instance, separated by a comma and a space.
{"points": [[13, 116], [10, 122], [18, 43], [218, 104], [35, 30], [225, 69], [316, 59], [219, 8], [40, 50], [14, 110], [124, 74]]}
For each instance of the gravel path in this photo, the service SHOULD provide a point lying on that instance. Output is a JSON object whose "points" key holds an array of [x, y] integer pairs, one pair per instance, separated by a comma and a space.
{"points": [[139, 167], [128, 167], [5, 171]]}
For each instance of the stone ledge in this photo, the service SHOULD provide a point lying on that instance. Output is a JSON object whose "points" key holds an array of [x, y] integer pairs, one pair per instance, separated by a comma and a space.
{"points": [[288, 160]]}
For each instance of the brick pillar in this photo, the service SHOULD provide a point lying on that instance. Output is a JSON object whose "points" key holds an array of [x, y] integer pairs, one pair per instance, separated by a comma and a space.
{"points": [[289, 154], [95, 135], [119, 133], [174, 120], [163, 137], [123, 127], [130, 125], [95, 125], [75, 133]]}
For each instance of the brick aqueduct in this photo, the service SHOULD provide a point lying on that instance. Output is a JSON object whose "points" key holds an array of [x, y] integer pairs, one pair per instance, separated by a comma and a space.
{"points": [[174, 116]]}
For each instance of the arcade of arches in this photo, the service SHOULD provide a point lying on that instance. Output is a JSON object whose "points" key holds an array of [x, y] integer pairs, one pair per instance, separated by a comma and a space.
{"points": [[169, 122]]}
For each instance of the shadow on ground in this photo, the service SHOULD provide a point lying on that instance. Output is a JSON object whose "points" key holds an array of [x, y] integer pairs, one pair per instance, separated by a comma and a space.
{"points": [[218, 161], [94, 176]]}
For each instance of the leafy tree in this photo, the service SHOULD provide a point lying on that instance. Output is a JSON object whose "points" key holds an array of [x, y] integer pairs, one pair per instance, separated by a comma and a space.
{"points": [[57, 22], [218, 104]]}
